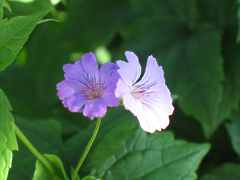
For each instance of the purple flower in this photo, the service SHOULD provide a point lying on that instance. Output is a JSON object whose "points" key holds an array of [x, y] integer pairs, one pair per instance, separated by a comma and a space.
{"points": [[149, 98], [88, 88]]}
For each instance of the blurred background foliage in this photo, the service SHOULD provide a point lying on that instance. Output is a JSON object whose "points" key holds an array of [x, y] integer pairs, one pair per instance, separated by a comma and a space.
{"points": [[196, 42]]}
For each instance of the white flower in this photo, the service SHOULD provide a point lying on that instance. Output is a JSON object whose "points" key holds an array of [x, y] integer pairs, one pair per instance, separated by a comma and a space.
{"points": [[149, 99]]}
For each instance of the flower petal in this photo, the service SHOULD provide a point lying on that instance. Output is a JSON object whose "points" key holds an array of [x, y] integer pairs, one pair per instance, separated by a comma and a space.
{"points": [[154, 80], [147, 119], [122, 88], [88, 63], [129, 71], [150, 121], [108, 72], [74, 103], [95, 109], [81, 68], [110, 100], [67, 88]]}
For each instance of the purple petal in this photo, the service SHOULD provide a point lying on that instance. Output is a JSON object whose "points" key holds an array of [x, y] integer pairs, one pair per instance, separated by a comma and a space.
{"points": [[108, 72], [129, 71], [110, 99], [95, 109], [67, 88], [74, 103], [81, 68], [88, 63]]}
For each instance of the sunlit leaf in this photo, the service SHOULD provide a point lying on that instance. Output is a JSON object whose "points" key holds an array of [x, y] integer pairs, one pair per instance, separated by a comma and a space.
{"points": [[15, 32], [7, 136], [41, 173]]}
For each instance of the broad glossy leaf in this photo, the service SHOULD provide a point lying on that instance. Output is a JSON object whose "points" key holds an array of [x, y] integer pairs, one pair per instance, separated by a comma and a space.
{"points": [[123, 151], [15, 32], [45, 134], [146, 156], [189, 50], [41, 173], [228, 171], [7, 136]]}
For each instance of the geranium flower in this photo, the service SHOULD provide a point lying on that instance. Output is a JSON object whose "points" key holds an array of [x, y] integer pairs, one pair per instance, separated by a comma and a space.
{"points": [[88, 88], [149, 99]]}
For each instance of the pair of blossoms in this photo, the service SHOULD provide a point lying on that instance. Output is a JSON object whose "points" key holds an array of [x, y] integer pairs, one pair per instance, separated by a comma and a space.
{"points": [[89, 89]]}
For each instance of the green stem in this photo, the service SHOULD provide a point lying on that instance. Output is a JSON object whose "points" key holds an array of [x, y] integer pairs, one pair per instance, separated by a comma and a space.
{"points": [[33, 150], [87, 149]]}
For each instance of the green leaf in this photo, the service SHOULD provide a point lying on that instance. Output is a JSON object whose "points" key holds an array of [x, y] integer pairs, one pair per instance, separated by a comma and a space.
{"points": [[42, 71], [90, 178], [45, 134], [95, 30], [231, 95], [221, 14], [1, 9], [146, 156], [189, 50], [15, 32], [8, 139], [233, 129], [42, 174], [228, 171], [123, 151]]}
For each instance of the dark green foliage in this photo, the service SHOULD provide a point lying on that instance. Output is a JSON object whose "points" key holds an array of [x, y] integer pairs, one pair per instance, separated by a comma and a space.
{"points": [[196, 42]]}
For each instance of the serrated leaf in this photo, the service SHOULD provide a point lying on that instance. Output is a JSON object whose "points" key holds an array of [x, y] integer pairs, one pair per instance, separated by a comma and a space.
{"points": [[15, 32], [189, 50], [7, 136], [233, 129], [147, 156], [228, 171], [123, 151], [45, 134], [41, 173]]}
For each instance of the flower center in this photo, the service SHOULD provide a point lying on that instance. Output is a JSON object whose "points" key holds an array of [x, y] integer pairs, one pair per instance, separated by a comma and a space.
{"points": [[94, 93]]}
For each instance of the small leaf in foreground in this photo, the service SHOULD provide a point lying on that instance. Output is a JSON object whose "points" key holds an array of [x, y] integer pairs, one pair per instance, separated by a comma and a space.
{"points": [[8, 142], [15, 32], [41, 173]]}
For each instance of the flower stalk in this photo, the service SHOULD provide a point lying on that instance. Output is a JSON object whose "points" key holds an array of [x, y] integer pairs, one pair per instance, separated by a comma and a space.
{"points": [[40, 157], [87, 149]]}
